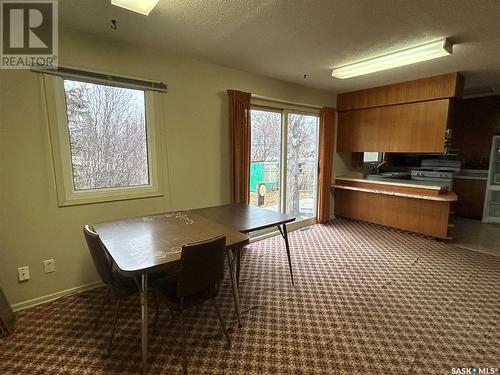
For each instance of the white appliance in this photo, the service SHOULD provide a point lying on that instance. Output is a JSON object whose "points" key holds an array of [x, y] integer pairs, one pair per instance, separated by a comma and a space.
{"points": [[491, 213]]}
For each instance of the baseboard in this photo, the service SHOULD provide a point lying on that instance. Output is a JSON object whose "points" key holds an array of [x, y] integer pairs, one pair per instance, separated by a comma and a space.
{"points": [[51, 297]]}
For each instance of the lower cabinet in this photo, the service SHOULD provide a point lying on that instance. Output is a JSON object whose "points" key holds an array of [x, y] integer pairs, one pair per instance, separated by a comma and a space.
{"points": [[425, 216], [470, 194]]}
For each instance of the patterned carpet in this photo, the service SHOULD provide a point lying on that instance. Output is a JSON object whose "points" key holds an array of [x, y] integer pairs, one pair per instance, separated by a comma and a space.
{"points": [[367, 300]]}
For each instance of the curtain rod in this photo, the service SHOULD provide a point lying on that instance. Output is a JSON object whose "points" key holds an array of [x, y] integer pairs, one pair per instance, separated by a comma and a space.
{"points": [[285, 101], [92, 76]]}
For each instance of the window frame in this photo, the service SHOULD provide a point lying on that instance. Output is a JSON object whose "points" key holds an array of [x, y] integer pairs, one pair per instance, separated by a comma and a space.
{"points": [[380, 157], [55, 99], [284, 109]]}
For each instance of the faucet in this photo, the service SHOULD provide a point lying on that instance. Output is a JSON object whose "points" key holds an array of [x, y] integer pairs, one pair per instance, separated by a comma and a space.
{"points": [[376, 169]]}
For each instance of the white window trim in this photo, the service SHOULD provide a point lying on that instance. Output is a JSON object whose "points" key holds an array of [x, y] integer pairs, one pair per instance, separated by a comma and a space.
{"points": [[61, 155]]}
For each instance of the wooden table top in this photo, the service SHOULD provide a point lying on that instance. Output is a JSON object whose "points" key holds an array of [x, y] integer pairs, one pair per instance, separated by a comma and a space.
{"points": [[144, 243], [243, 217]]}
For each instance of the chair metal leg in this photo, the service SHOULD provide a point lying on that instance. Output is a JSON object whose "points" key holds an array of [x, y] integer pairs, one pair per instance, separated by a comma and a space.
{"points": [[234, 285], [157, 305], [114, 326], [144, 320], [172, 313], [104, 302], [184, 361], [223, 326]]}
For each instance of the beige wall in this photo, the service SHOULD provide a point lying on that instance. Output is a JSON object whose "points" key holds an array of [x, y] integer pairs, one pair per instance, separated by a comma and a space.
{"points": [[34, 228]]}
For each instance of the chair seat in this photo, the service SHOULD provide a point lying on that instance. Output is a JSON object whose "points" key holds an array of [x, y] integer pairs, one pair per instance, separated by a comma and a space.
{"points": [[167, 288]]}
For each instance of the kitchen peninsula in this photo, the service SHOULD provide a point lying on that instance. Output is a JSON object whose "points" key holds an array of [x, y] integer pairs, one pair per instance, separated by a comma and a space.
{"points": [[415, 206], [406, 118]]}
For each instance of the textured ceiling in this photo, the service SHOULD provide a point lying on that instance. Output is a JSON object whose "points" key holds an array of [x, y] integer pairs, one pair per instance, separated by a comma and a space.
{"points": [[286, 39]]}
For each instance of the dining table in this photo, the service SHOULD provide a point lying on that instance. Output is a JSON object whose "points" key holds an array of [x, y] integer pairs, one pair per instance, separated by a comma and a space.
{"points": [[143, 245], [140, 246]]}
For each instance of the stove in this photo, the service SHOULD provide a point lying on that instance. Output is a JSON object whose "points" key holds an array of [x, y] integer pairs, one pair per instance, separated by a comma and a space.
{"points": [[437, 170]]}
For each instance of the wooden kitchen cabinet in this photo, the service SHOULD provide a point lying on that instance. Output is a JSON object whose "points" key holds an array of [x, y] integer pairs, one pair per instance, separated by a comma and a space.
{"points": [[431, 88], [429, 217], [470, 194], [410, 127]]}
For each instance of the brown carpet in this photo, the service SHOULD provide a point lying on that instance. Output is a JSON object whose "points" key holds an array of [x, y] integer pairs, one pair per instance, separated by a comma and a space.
{"points": [[367, 300]]}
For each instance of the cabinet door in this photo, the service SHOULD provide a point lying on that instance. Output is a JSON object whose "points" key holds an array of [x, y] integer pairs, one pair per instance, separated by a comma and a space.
{"points": [[470, 197], [413, 127]]}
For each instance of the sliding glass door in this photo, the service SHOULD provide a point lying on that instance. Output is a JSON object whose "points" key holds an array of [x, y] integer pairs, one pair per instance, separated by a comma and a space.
{"points": [[284, 161], [302, 165]]}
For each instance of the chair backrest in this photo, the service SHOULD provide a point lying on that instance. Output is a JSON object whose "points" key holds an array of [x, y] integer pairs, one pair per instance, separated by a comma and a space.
{"points": [[202, 266], [99, 254]]}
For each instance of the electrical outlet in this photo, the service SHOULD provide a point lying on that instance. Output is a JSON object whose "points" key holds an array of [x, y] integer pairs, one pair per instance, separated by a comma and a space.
{"points": [[49, 266], [23, 273]]}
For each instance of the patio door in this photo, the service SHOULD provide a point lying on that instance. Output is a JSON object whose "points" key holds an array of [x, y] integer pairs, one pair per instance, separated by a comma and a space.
{"points": [[284, 162]]}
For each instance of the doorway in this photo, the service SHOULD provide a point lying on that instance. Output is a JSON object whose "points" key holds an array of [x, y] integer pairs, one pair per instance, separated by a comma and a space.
{"points": [[284, 162]]}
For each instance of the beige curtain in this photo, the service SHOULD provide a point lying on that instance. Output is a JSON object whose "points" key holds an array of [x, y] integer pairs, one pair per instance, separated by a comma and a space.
{"points": [[326, 144], [239, 127]]}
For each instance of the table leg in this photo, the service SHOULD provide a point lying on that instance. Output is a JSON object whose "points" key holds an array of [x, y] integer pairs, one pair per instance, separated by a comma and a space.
{"points": [[144, 320], [284, 233], [234, 285], [239, 250]]}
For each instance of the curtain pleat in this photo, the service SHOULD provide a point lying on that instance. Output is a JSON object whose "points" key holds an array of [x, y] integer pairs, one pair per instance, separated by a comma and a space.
{"points": [[239, 127], [326, 144]]}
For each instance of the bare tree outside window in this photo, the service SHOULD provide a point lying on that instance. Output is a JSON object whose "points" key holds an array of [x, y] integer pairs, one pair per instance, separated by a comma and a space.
{"points": [[108, 140], [265, 136], [265, 154]]}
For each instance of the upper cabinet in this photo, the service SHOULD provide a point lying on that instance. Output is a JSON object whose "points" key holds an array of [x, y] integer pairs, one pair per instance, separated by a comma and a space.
{"points": [[405, 117], [413, 127]]}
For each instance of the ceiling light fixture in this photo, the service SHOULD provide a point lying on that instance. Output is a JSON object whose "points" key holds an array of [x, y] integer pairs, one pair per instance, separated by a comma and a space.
{"points": [[422, 52], [140, 6]]}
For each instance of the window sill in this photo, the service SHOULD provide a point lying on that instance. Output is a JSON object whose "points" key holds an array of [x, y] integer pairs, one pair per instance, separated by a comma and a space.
{"points": [[108, 195]]}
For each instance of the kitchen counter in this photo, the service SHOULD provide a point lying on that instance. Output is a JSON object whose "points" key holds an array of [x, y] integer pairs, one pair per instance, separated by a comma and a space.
{"points": [[473, 174], [440, 187], [446, 197], [416, 206]]}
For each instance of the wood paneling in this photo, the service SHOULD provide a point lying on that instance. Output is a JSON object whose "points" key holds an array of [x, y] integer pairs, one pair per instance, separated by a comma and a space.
{"points": [[470, 197], [476, 121], [416, 215], [414, 127], [431, 88], [390, 188]]}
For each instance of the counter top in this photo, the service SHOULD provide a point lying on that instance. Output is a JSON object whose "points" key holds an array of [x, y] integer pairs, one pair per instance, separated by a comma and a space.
{"points": [[397, 182], [473, 174], [478, 178], [446, 197]]}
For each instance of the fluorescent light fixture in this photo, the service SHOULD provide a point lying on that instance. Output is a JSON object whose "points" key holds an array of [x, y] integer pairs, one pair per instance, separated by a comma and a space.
{"points": [[139, 6], [422, 52]]}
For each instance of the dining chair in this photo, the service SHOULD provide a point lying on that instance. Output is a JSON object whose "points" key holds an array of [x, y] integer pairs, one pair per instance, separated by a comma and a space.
{"points": [[118, 286], [201, 270]]}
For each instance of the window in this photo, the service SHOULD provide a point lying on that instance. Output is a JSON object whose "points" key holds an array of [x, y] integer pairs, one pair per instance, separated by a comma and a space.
{"points": [[371, 157], [104, 141]]}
